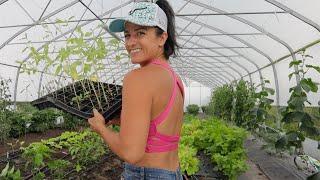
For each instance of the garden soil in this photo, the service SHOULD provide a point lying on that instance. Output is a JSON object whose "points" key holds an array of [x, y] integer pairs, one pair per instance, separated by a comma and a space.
{"points": [[274, 167]]}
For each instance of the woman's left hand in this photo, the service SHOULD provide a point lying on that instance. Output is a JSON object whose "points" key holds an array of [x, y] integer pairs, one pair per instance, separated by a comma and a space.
{"points": [[97, 122]]}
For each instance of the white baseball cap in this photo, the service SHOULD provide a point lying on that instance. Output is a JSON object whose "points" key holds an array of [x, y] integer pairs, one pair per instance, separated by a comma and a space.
{"points": [[144, 14]]}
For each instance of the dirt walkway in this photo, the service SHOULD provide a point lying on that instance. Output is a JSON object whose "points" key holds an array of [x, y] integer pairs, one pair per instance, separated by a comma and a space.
{"points": [[274, 168], [253, 173]]}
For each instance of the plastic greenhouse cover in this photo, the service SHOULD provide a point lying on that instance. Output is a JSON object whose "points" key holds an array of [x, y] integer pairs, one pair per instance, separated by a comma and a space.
{"points": [[222, 41]]}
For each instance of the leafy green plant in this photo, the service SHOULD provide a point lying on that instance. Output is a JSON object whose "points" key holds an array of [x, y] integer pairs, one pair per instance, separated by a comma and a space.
{"points": [[86, 148], [223, 144], [44, 119], [19, 121], [193, 109], [312, 110], [5, 95], [187, 150], [89, 53], [72, 122], [115, 128], [244, 102], [79, 98], [5, 127], [294, 112], [26, 108], [259, 113], [230, 164], [204, 109], [36, 155], [58, 168], [187, 118], [10, 174], [82, 57], [188, 161], [221, 102]]}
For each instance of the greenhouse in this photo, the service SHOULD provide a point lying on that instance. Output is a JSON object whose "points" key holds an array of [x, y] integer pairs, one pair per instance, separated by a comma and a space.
{"points": [[250, 71]]}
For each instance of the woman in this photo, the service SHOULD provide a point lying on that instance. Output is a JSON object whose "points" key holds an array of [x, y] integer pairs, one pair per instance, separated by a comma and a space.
{"points": [[152, 97]]}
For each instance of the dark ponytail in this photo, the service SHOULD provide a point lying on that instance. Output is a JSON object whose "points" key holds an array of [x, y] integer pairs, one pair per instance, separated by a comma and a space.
{"points": [[171, 45]]}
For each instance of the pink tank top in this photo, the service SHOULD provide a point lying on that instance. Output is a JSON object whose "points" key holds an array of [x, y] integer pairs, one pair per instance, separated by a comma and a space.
{"points": [[156, 141]]}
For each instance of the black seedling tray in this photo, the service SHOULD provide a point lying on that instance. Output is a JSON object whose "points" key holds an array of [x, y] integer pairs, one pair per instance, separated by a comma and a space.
{"points": [[82, 96]]}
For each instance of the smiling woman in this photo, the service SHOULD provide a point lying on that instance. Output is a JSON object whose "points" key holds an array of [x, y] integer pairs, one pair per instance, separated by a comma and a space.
{"points": [[151, 116], [143, 43]]}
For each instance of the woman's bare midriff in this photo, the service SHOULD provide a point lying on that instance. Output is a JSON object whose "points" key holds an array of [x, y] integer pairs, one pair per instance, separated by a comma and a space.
{"points": [[164, 160]]}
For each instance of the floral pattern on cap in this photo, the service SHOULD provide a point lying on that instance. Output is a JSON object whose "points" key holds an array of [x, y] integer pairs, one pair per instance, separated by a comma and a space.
{"points": [[143, 14]]}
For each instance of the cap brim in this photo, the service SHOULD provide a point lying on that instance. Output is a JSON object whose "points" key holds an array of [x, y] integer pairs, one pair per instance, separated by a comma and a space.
{"points": [[117, 25]]}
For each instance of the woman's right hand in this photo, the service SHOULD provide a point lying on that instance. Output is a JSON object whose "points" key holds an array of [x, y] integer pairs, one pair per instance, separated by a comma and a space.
{"points": [[115, 121]]}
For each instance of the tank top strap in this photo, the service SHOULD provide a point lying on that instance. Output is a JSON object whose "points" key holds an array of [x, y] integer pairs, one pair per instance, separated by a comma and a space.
{"points": [[161, 117]]}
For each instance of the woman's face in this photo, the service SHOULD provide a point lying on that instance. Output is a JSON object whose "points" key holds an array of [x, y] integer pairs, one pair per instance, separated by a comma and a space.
{"points": [[142, 43]]}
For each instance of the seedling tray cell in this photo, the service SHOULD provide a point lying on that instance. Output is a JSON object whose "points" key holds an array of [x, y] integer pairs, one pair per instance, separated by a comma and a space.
{"points": [[82, 96]]}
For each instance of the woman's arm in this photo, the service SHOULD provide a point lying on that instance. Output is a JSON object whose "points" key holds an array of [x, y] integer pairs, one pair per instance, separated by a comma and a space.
{"points": [[129, 144]]}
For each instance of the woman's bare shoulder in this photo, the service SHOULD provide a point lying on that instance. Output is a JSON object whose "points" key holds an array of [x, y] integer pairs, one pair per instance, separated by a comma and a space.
{"points": [[136, 74], [149, 76], [133, 76], [137, 78], [142, 74]]}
